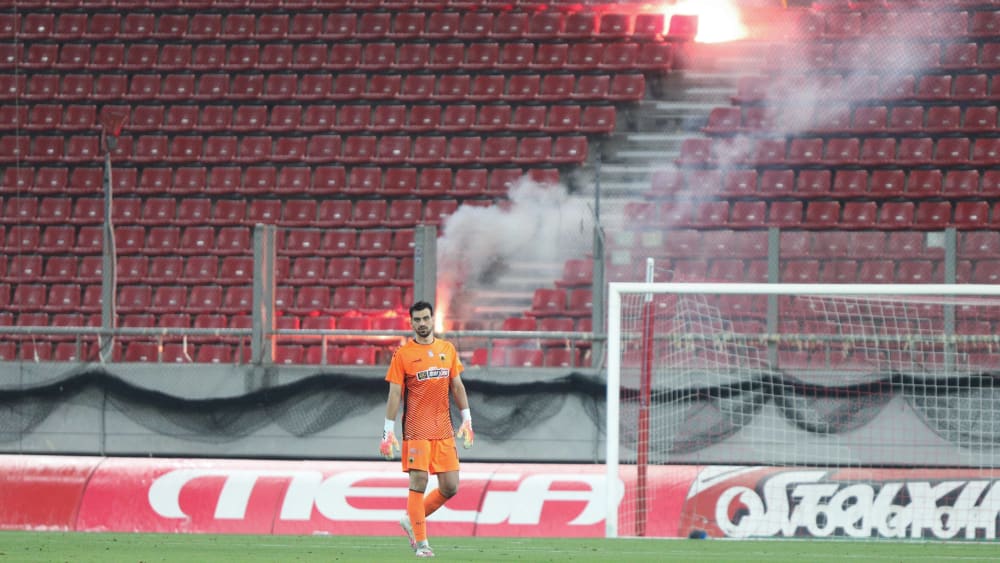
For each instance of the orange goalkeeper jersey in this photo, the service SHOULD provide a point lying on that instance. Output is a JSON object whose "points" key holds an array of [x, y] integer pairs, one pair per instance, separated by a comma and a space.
{"points": [[424, 371]]}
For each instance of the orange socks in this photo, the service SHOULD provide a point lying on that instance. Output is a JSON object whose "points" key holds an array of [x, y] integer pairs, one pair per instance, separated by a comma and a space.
{"points": [[419, 507], [433, 501], [415, 510]]}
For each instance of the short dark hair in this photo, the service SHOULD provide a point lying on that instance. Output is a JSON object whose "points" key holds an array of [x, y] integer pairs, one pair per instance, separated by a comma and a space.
{"points": [[420, 306]]}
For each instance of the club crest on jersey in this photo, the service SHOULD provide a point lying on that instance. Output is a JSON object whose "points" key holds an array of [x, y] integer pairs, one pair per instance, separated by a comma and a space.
{"points": [[443, 357], [432, 373]]}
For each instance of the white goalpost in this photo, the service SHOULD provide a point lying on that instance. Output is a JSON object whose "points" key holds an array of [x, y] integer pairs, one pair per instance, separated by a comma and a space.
{"points": [[806, 410]]}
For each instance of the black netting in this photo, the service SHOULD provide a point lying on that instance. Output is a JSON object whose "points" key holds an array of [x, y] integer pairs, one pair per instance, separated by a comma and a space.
{"points": [[301, 408], [962, 410]]}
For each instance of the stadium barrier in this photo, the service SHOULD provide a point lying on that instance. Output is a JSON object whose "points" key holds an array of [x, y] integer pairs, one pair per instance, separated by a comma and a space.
{"points": [[296, 497], [509, 500]]}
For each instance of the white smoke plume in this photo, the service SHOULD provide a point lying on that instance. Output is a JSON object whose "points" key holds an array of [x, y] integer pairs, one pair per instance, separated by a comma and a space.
{"points": [[809, 82], [539, 223]]}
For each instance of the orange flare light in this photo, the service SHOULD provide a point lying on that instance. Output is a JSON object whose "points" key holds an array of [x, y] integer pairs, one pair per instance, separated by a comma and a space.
{"points": [[718, 20], [442, 299]]}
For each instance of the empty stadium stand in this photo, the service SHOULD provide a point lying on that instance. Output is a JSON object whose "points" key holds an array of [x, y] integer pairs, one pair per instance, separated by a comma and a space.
{"points": [[347, 123], [344, 123]]}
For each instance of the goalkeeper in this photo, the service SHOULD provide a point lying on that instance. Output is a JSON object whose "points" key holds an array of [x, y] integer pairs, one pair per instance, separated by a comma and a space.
{"points": [[422, 373]]}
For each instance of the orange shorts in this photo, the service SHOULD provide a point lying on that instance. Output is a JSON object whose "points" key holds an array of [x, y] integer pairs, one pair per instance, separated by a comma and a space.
{"points": [[432, 456]]}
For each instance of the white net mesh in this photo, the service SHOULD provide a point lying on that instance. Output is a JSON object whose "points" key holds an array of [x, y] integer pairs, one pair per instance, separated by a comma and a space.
{"points": [[831, 381]]}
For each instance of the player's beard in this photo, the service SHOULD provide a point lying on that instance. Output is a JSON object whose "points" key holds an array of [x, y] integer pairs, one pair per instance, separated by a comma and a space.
{"points": [[423, 331]]}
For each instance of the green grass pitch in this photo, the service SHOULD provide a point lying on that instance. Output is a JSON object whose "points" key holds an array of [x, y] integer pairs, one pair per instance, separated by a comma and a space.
{"points": [[152, 548]]}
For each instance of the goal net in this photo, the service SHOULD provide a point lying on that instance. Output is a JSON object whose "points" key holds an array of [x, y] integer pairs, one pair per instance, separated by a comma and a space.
{"points": [[778, 410]]}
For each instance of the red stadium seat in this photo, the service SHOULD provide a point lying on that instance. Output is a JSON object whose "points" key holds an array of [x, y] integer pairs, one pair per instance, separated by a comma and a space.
{"points": [[941, 119], [877, 151], [364, 180], [347, 299], [354, 117], [952, 151], [384, 87], [970, 87], [358, 355], [548, 302], [452, 87], [971, 214], [597, 119], [373, 25], [328, 179], [368, 213], [373, 242], [254, 149], [445, 56], [481, 56], [292, 179], [301, 242], [569, 149], [335, 212], [510, 25], [437, 210], [932, 214], [896, 215], [299, 213], [457, 117], [614, 25], [264, 211], [876, 271], [404, 212], [306, 270], [533, 150], [343, 270], [561, 118], [392, 149], [205, 299], [619, 57], [597, 87], [388, 117], [961, 183], [378, 271], [474, 25], [463, 150], [235, 270], [986, 150], [980, 118], [323, 149], [272, 27], [579, 25], [377, 56], [134, 299], [359, 148], [624, 87], [921, 183], [309, 56], [469, 182], [515, 56], [913, 150], [423, 118], [233, 240], [317, 118], [847, 183]]}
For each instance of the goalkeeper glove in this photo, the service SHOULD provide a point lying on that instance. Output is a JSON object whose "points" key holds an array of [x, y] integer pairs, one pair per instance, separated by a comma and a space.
{"points": [[389, 446], [465, 432]]}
